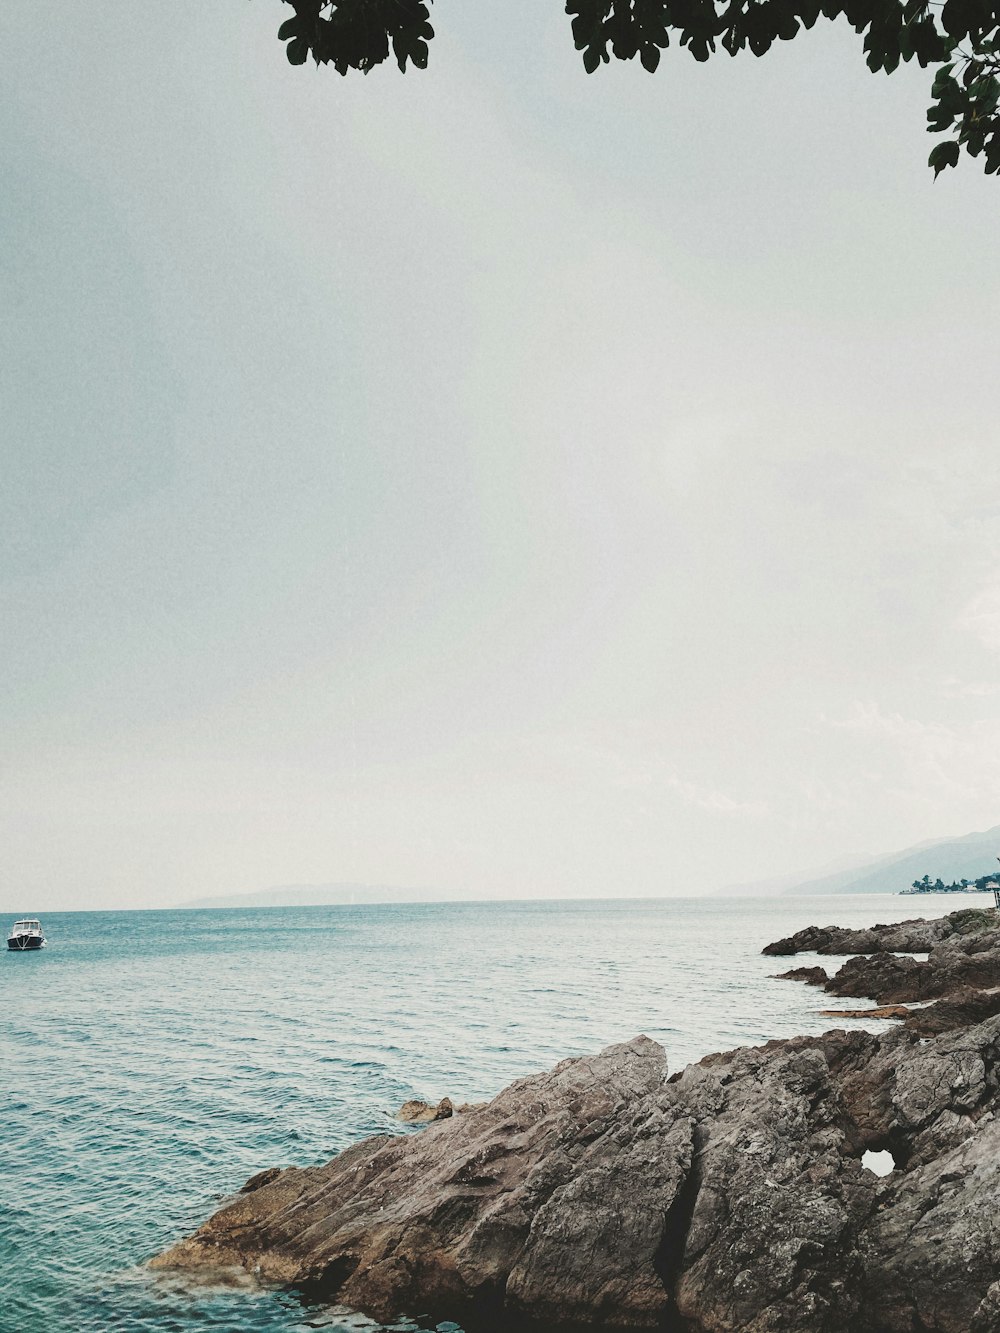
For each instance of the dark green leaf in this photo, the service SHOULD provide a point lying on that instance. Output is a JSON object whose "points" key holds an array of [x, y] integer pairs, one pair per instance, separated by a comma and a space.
{"points": [[297, 51], [943, 155]]}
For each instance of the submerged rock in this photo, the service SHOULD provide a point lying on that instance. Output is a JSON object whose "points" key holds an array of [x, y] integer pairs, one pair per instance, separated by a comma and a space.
{"points": [[417, 1112]]}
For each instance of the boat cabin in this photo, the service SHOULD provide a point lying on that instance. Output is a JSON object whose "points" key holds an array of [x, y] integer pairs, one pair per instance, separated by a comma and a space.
{"points": [[26, 934]]}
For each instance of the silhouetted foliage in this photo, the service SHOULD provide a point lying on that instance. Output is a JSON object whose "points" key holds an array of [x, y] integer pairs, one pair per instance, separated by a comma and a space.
{"points": [[961, 37], [984, 884]]}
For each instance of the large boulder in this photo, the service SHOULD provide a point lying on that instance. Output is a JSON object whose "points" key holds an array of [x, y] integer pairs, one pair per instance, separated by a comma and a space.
{"points": [[885, 977], [729, 1197], [530, 1202]]}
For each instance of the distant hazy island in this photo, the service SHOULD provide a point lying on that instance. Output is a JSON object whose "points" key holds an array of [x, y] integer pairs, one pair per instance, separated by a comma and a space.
{"points": [[344, 895], [972, 856], [323, 895]]}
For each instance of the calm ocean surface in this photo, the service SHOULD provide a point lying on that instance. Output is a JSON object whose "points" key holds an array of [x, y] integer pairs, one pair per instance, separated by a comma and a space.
{"points": [[152, 1061]]}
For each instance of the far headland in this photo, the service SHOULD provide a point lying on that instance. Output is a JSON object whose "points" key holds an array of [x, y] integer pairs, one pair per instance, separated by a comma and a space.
{"points": [[957, 862], [971, 857]]}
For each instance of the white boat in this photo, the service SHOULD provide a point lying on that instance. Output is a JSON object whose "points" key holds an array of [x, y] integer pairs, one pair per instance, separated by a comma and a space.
{"points": [[26, 934]]}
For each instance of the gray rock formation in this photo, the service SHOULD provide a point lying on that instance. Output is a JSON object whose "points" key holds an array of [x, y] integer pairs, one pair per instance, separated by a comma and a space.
{"points": [[887, 978], [727, 1198], [813, 976], [963, 951], [479, 1210], [917, 936], [419, 1112], [962, 1008]]}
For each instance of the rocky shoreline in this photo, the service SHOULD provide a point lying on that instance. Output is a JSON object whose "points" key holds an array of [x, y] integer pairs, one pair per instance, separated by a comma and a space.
{"points": [[961, 973], [729, 1197]]}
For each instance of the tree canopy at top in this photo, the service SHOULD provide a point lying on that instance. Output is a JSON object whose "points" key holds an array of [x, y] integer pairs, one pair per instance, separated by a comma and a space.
{"points": [[960, 37]]}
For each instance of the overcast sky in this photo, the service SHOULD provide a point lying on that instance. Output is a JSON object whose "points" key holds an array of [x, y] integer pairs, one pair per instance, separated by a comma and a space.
{"points": [[496, 478]]}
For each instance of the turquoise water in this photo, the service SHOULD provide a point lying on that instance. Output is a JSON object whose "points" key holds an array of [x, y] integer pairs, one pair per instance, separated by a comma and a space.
{"points": [[152, 1061]]}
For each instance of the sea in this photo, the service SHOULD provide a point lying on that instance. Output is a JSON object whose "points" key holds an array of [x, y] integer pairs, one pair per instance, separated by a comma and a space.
{"points": [[152, 1061]]}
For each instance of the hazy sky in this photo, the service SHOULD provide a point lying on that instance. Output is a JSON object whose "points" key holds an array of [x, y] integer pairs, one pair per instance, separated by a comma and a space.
{"points": [[495, 478]]}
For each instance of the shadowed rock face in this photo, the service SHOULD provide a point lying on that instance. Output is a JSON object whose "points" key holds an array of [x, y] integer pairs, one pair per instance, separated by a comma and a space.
{"points": [[885, 978], [951, 965], [962, 1008], [729, 1198]]}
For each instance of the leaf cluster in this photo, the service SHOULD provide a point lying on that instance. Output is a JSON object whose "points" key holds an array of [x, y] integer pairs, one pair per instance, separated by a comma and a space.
{"points": [[357, 34], [966, 104], [962, 37]]}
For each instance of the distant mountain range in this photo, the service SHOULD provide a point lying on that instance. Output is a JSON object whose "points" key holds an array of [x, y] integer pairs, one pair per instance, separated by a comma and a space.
{"points": [[950, 859], [334, 895], [322, 895]]}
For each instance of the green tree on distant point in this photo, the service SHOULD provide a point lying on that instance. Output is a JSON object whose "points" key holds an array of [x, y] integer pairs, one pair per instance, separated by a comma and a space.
{"points": [[960, 37]]}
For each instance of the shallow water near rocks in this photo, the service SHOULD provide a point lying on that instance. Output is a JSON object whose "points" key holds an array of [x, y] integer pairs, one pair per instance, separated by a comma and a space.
{"points": [[153, 1061]]}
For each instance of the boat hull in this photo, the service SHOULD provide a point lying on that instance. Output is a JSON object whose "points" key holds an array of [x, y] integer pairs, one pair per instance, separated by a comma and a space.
{"points": [[22, 943]]}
